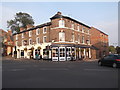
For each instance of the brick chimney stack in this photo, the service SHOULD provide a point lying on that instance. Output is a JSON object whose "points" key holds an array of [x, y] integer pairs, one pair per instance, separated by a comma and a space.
{"points": [[29, 26], [59, 13]]}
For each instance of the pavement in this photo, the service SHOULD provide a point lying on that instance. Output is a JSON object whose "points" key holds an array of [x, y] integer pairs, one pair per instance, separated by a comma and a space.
{"points": [[48, 74]]}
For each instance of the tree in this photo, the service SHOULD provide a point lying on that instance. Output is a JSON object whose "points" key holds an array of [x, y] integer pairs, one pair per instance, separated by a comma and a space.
{"points": [[118, 50], [112, 49], [20, 20]]}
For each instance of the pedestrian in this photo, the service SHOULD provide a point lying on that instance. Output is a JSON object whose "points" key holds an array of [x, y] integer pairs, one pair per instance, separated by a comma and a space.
{"points": [[37, 55]]}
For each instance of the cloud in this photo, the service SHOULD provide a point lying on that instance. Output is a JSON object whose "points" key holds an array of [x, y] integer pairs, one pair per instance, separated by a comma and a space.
{"points": [[7, 14], [110, 28]]}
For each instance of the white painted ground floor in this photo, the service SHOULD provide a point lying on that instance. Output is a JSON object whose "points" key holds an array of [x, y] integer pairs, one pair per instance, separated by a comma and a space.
{"points": [[54, 52]]}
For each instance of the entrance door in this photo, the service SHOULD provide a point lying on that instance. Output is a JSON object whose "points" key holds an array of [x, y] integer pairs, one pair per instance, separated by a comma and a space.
{"points": [[68, 53], [62, 54], [55, 54]]}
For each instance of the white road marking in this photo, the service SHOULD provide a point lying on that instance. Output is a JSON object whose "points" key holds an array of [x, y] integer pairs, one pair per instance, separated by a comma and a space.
{"points": [[54, 69], [97, 70], [16, 69]]}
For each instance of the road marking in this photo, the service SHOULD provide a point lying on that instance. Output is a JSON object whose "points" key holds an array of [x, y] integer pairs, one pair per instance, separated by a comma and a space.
{"points": [[97, 70], [54, 69], [16, 69]]}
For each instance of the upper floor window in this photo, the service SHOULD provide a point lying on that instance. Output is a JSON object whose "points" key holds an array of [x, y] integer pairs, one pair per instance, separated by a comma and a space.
{"points": [[22, 42], [16, 37], [30, 33], [61, 36], [83, 39], [88, 31], [72, 26], [61, 23], [37, 31], [16, 43], [44, 39], [83, 30], [73, 38], [22, 35], [37, 40], [78, 28], [30, 41], [78, 38], [44, 29]]}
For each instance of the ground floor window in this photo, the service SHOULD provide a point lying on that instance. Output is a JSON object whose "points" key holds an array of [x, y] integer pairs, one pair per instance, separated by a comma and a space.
{"points": [[62, 52], [55, 52]]}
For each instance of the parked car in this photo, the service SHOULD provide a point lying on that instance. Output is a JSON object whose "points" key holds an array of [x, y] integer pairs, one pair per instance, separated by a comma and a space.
{"points": [[110, 60]]}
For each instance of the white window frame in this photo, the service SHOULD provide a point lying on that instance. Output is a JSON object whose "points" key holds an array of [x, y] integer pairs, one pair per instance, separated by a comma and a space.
{"points": [[83, 30], [37, 41], [72, 25], [22, 35], [44, 39], [73, 37], [22, 42], [29, 41], [62, 35], [78, 28], [30, 33], [61, 23], [16, 43], [37, 31], [44, 29], [83, 39], [78, 38], [16, 36]]}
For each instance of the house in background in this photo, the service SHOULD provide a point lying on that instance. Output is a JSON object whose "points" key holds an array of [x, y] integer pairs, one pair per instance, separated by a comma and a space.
{"points": [[6, 42], [61, 39]]}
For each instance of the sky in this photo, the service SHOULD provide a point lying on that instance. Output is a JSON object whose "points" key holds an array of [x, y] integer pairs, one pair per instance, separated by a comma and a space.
{"points": [[101, 15]]}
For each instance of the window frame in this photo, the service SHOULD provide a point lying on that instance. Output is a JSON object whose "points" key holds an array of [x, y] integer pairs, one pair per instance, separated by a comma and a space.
{"points": [[44, 30], [62, 35], [44, 39], [30, 43], [37, 31], [61, 23]]}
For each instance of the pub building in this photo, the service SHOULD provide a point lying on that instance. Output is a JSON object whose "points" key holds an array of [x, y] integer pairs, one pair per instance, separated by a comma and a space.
{"points": [[61, 39]]}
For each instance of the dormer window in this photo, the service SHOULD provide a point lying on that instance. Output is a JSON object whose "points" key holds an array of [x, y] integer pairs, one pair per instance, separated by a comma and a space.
{"points": [[61, 23]]}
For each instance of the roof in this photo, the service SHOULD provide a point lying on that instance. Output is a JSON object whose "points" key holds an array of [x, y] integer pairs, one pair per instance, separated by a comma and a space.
{"points": [[100, 31], [38, 26], [59, 15]]}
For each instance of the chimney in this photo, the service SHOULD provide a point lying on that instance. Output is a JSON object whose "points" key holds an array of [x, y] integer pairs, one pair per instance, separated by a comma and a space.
{"points": [[22, 29], [29, 26], [59, 13]]}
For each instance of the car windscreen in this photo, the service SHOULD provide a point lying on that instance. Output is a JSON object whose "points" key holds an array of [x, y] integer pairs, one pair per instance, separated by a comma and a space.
{"points": [[118, 56]]}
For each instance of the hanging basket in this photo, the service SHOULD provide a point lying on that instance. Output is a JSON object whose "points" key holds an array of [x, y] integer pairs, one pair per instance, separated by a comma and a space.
{"points": [[39, 48], [32, 48], [25, 49]]}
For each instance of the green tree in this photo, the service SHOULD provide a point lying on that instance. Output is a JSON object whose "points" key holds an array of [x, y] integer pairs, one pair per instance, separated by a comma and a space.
{"points": [[112, 49], [118, 50], [20, 20]]}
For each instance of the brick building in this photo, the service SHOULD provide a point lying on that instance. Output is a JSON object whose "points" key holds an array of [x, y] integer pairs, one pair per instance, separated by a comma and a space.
{"points": [[6, 42], [100, 40], [61, 39]]}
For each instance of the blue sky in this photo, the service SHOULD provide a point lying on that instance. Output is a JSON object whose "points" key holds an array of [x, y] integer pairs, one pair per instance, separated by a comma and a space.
{"points": [[101, 15]]}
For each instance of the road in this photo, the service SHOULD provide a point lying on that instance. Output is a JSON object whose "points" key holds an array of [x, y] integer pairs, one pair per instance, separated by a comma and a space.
{"points": [[47, 74]]}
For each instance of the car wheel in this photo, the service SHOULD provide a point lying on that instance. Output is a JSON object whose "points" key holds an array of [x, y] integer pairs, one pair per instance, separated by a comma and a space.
{"points": [[114, 65], [99, 63]]}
